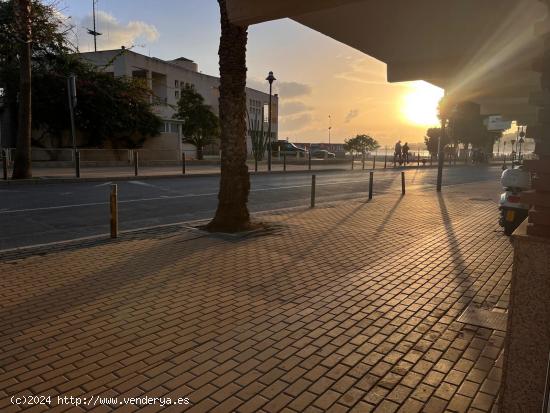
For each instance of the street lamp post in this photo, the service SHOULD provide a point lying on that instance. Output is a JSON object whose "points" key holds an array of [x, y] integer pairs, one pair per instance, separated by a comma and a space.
{"points": [[521, 140], [440, 154], [270, 78], [329, 129]]}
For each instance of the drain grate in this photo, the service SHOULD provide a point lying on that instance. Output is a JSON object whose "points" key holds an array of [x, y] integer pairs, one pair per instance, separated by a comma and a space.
{"points": [[484, 318]]}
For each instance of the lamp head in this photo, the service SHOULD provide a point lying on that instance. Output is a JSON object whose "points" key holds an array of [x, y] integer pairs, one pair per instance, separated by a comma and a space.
{"points": [[270, 78]]}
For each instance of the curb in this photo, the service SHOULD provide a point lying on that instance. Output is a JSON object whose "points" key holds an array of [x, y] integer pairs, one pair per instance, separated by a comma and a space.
{"points": [[52, 180], [34, 181]]}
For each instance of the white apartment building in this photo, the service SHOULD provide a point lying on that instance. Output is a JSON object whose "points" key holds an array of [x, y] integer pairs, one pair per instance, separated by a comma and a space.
{"points": [[165, 79]]}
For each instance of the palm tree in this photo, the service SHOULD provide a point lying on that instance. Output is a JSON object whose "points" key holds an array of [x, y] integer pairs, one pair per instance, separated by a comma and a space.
{"points": [[232, 213], [22, 166]]}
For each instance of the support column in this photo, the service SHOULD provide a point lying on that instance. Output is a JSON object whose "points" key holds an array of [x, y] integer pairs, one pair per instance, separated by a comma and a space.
{"points": [[539, 196], [527, 345], [525, 384]]}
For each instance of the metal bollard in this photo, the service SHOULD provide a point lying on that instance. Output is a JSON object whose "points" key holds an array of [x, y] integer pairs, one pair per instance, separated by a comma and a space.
{"points": [[371, 182], [402, 183], [312, 191], [5, 164], [309, 161], [385, 161], [363, 162], [114, 211], [284, 161], [418, 159], [183, 163], [136, 163], [77, 162]]}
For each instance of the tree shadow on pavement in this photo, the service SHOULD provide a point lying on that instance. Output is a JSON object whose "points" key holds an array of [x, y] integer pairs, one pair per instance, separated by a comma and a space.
{"points": [[96, 287]]}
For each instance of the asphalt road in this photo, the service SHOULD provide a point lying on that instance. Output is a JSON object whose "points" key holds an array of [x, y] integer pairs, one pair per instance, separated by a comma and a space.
{"points": [[44, 213]]}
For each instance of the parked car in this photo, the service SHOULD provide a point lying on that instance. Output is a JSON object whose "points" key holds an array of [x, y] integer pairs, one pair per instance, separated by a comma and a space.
{"points": [[322, 154], [285, 147]]}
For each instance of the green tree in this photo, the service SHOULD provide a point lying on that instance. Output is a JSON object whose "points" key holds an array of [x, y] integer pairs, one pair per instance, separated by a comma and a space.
{"points": [[466, 126], [33, 28], [200, 126], [232, 213], [432, 140], [361, 144], [110, 110]]}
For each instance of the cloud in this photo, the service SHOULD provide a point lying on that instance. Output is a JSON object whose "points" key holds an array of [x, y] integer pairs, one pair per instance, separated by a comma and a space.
{"points": [[286, 90], [361, 71], [114, 33], [351, 115], [290, 90], [293, 107], [295, 123]]}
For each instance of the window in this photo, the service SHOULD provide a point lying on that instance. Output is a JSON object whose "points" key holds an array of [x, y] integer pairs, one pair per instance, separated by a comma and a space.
{"points": [[177, 94], [266, 113], [177, 83], [174, 127]]}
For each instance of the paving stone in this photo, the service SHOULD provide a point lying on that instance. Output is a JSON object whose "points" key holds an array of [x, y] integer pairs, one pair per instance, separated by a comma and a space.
{"points": [[174, 311]]}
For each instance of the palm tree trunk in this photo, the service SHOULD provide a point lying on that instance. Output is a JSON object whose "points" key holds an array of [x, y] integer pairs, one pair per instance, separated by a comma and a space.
{"points": [[22, 165], [232, 212]]}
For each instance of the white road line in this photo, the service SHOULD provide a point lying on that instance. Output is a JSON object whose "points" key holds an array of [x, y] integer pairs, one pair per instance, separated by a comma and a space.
{"points": [[165, 197], [144, 184], [189, 224], [103, 184]]}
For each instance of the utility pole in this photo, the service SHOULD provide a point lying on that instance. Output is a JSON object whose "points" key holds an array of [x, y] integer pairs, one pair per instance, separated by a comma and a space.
{"points": [[93, 31], [329, 129]]}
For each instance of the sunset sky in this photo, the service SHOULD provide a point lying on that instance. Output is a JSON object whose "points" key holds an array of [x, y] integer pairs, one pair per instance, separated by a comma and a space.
{"points": [[316, 75]]}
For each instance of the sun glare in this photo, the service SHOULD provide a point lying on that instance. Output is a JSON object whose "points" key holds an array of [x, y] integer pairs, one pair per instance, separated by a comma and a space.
{"points": [[420, 104]]}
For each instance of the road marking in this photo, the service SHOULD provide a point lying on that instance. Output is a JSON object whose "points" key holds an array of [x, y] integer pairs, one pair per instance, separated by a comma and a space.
{"points": [[144, 184], [189, 224], [103, 184], [165, 197]]}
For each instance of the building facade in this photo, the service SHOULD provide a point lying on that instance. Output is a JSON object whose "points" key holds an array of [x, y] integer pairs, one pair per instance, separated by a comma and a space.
{"points": [[165, 79]]}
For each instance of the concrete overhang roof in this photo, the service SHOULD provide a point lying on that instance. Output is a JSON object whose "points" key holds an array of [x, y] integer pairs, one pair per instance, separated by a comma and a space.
{"points": [[476, 50]]}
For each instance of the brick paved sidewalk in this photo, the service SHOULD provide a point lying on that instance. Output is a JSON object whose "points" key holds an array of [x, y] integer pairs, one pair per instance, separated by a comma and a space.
{"points": [[348, 307]]}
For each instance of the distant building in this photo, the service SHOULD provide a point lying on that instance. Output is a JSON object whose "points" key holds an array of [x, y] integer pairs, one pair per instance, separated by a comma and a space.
{"points": [[165, 79]]}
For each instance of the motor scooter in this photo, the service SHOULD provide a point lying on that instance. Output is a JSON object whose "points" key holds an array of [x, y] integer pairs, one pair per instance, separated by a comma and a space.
{"points": [[512, 211]]}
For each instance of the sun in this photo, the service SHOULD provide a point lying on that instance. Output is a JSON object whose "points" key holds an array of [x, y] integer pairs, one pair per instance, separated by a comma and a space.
{"points": [[420, 104]]}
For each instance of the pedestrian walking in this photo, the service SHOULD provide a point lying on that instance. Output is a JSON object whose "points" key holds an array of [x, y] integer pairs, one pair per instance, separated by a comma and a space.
{"points": [[405, 151], [397, 154]]}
